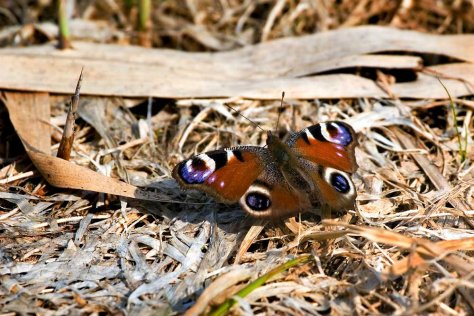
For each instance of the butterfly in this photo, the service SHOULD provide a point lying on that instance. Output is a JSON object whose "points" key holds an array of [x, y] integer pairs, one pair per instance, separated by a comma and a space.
{"points": [[282, 178]]}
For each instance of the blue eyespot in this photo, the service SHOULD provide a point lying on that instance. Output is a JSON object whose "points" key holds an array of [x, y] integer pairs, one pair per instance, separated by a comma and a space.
{"points": [[194, 171], [335, 132], [258, 201], [339, 133], [340, 183]]}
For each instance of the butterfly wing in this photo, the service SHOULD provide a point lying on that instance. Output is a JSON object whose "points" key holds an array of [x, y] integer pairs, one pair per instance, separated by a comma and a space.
{"points": [[271, 196], [327, 151], [329, 144], [245, 174], [226, 174], [334, 187]]}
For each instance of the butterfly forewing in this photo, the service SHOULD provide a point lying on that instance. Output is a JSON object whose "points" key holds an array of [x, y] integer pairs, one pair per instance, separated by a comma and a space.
{"points": [[329, 144], [225, 174]]}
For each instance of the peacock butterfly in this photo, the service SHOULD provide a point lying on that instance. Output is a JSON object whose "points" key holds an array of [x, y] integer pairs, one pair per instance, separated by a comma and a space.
{"points": [[282, 178]]}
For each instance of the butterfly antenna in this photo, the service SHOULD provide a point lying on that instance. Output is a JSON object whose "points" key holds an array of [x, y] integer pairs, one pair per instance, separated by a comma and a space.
{"points": [[254, 123], [279, 111]]}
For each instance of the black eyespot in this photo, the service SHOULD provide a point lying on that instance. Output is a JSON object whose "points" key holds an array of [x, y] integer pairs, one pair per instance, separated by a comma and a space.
{"points": [[340, 183], [258, 201]]}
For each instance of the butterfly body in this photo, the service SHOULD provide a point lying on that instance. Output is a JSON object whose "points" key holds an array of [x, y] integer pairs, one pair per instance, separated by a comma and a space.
{"points": [[283, 178]]}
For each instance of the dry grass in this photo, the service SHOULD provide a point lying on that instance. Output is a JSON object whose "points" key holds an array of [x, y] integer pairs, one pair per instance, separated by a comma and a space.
{"points": [[407, 249]]}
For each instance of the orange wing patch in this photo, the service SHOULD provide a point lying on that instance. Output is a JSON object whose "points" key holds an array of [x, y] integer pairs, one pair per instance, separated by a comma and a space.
{"points": [[231, 181], [327, 154]]}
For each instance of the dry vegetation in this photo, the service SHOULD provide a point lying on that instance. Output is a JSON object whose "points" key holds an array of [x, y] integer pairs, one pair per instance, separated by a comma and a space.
{"points": [[407, 248]]}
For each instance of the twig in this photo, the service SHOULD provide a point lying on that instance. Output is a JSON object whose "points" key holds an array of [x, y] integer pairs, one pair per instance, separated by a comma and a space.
{"points": [[65, 146]]}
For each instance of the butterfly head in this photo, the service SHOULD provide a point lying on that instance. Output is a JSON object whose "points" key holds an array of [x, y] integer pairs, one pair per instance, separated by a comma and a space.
{"points": [[279, 150]]}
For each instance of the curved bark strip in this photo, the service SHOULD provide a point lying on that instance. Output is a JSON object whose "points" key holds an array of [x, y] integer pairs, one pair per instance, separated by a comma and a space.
{"points": [[259, 72], [29, 114]]}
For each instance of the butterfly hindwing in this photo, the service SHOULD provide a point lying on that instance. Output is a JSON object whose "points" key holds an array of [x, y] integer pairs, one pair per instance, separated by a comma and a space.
{"points": [[271, 196], [226, 174], [334, 188]]}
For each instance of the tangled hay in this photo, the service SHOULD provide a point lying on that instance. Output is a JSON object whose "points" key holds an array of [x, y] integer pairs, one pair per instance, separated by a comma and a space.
{"points": [[406, 249]]}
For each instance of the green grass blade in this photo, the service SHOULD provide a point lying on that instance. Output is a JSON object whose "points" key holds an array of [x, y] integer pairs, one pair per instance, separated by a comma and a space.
{"points": [[63, 24], [144, 12], [452, 105], [225, 307]]}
